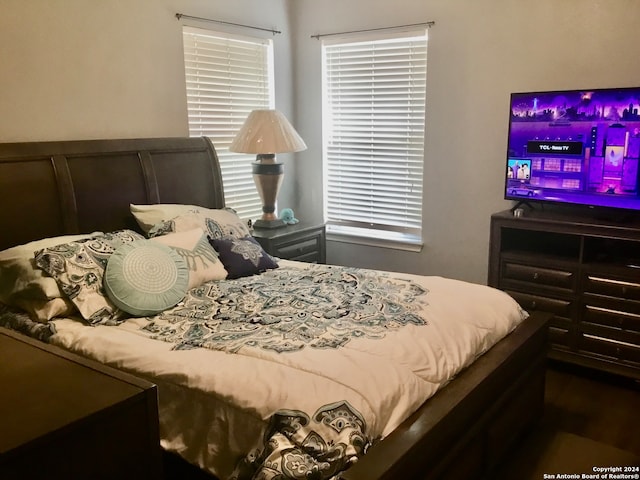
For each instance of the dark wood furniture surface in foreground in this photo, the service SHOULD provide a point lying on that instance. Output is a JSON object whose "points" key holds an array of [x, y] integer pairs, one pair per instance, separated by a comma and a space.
{"points": [[65, 417], [583, 270], [56, 188], [304, 241]]}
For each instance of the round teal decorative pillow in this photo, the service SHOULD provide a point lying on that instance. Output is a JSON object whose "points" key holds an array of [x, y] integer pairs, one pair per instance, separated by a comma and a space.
{"points": [[144, 278]]}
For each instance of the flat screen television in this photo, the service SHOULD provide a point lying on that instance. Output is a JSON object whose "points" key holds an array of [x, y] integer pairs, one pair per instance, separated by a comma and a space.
{"points": [[578, 147]]}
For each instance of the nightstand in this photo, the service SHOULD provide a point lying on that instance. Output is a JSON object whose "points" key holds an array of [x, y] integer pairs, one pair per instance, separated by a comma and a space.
{"points": [[305, 242], [66, 417]]}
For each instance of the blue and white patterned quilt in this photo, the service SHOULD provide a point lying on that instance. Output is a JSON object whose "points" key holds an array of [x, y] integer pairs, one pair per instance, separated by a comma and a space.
{"points": [[284, 310]]}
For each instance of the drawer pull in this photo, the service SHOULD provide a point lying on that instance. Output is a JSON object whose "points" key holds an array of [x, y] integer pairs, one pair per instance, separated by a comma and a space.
{"points": [[533, 305], [535, 276]]}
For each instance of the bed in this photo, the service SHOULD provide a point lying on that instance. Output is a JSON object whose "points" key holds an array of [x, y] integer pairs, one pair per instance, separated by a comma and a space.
{"points": [[457, 426]]}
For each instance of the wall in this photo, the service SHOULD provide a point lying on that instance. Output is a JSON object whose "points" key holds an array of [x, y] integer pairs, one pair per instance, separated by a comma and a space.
{"points": [[478, 53], [77, 69]]}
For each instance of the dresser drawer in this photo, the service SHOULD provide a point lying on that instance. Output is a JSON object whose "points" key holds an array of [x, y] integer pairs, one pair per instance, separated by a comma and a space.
{"points": [[612, 287], [612, 318], [530, 302], [300, 247], [559, 336], [536, 275], [610, 348], [612, 303]]}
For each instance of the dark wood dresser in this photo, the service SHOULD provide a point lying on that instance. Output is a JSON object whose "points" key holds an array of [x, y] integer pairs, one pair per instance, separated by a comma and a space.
{"points": [[65, 417], [586, 271]]}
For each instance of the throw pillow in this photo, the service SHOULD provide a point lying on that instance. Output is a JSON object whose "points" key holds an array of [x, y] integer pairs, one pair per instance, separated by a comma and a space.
{"points": [[218, 224], [144, 278], [23, 284], [44, 310], [242, 256], [202, 260], [161, 218], [78, 268]]}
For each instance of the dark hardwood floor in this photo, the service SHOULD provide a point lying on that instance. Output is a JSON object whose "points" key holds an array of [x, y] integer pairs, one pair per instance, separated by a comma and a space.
{"points": [[591, 420]]}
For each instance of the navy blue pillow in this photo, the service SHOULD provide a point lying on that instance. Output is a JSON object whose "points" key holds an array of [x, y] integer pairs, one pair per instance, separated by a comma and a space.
{"points": [[242, 257]]}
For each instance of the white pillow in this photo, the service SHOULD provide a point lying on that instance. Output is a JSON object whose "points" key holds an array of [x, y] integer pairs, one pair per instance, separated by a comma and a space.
{"points": [[202, 260], [148, 215], [24, 285], [44, 310], [162, 218]]}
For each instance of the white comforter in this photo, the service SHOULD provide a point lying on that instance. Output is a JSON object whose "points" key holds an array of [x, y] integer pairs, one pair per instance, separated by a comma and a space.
{"points": [[215, 406]]}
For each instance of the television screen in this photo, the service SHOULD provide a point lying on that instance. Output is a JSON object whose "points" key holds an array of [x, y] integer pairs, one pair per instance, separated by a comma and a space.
{"points": [[577, 147]]}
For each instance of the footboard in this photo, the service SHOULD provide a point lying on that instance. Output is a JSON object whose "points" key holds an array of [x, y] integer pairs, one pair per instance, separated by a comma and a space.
{"points": [[464, 430]]}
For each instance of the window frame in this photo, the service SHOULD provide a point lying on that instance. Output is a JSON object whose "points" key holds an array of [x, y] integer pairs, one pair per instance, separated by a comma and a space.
{"points": [[350, 231]]}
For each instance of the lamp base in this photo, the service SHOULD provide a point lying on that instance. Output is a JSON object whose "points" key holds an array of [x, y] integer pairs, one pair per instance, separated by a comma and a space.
{"points": [[277, 223], [267, 174]]}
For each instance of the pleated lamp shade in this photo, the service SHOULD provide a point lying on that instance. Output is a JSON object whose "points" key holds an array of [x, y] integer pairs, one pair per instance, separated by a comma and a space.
{"points": [[267, 131]]}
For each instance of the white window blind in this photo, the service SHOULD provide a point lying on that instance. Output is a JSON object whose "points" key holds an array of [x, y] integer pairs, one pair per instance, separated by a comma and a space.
{"points": [[374, 121], [227, 77]]}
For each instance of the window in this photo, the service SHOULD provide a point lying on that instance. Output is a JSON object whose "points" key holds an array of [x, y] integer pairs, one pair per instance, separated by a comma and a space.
{"points": [[373, 140], [227, 76]]}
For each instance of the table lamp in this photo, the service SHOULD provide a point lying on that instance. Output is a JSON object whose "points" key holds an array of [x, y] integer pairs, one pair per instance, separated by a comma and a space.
{"points": [[265, 133]]}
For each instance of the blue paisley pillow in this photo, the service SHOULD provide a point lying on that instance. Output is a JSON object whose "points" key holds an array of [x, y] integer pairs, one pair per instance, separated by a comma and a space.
{"points": [[78, 268], [242, 257]]}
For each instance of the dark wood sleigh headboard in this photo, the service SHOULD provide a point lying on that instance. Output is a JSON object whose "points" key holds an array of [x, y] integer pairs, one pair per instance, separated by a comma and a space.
{"points": [[67, 187]]}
